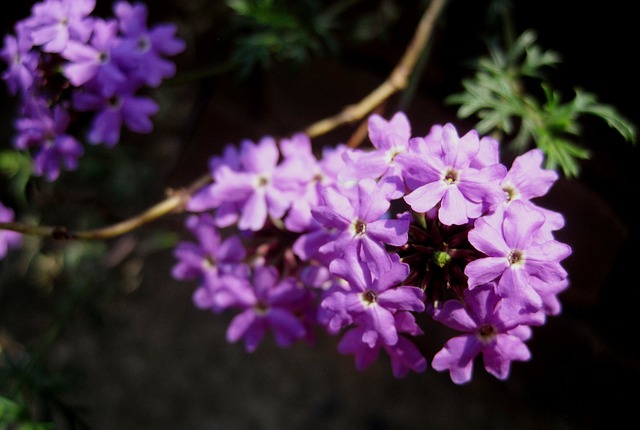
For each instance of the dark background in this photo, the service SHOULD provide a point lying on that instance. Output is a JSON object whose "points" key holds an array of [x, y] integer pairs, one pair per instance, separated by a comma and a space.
{"points": [[154, 361]]}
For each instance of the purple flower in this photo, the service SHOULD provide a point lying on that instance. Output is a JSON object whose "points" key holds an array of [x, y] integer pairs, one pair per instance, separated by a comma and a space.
{"points": [[488, 155], [549, 292], [20, 59], [54, 22], [46, 132], [8, 239], [259, 189], [63, 150], [93, 60], [308, 245], [404, 355], [514, 255], [206, 198], [317, 244], [124, 107], [371, 301], [444, 176], [211, 260], [268, 303], [489, 328], [34, 126], [303, 168], [389, 138], [319, 279], [360, 226], [526, 180], [142, 50]]}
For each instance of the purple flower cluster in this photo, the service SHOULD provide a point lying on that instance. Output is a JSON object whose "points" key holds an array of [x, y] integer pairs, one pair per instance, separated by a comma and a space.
{"points": [[62, 61], [362, 242]]}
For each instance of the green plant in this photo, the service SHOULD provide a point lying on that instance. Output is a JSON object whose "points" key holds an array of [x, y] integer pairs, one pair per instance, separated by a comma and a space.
{"points": [[502, 96]]}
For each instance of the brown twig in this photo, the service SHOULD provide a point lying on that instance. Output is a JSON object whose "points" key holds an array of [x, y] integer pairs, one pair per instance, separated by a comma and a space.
{"points": [[397, 81], [360, 134], [174, 203]]}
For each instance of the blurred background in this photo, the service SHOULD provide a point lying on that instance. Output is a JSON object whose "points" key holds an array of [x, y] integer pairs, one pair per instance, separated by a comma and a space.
{"points": [[97, 335]]}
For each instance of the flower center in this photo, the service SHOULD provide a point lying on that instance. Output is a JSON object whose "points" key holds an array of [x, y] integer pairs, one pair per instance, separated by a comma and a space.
{"points": [[511, 192], [487, 333], [114, 102], [360, 228], [262, 181], [451, 177], [209, 261], [261, 308], [369, 298], [441, 258], [103, 57], [515, 257], [392, 153], [143, 44]]}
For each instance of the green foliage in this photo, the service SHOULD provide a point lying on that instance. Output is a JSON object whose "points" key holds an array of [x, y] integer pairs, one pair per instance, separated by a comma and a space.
{"points": [[268, 30], [375, 22], [14, 416], [498, 97], [16, 166]]}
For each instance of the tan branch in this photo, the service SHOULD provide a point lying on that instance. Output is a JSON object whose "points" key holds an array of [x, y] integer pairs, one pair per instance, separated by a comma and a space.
{"points": [[174, 203], [397, 80]]}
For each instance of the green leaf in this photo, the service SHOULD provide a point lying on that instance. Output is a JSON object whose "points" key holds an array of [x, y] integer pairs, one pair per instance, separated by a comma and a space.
{"points": [[587, 103], [16, 166], [9, 410], [13, 416]]}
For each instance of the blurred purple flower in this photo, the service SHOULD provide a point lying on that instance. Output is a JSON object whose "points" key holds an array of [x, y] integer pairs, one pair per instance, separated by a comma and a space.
{"points": [[123, 107], [45, 132], [142, 50], [260, 188], [268, 303], [206, 198], [20, 59], [54, 22], [211, 261], [389, 138], [8, 239], [93, 60], [404, 355]]}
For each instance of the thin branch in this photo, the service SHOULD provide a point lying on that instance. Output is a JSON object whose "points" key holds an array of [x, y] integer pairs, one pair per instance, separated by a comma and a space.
{"points": [[363, 129], [397, 81], [174, 203]]}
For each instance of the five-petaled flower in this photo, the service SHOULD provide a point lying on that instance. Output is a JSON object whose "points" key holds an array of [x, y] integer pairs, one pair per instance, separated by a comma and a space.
{"points": [[489, 327]]}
